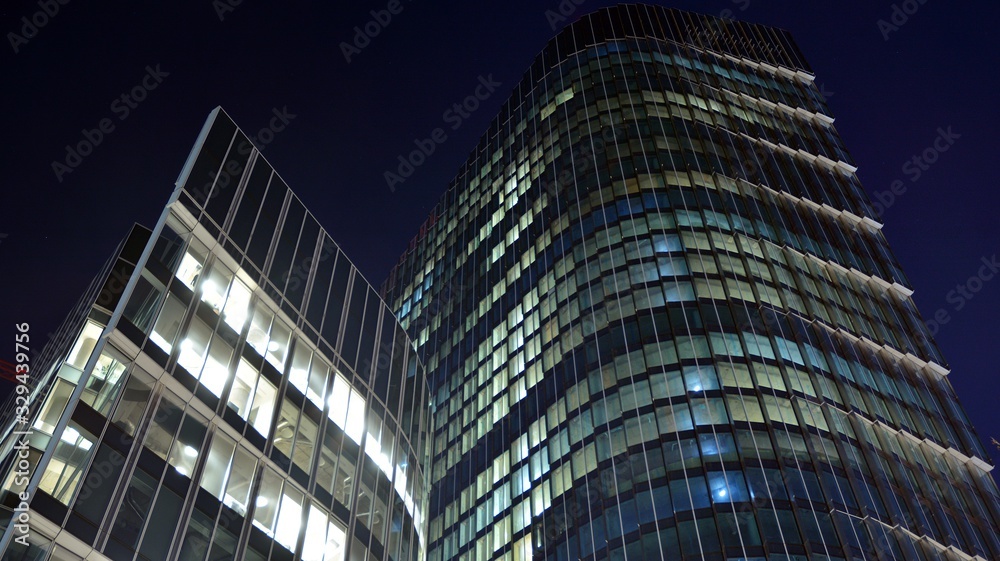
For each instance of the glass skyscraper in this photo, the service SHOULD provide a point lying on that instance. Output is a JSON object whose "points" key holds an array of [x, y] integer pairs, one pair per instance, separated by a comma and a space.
{"points": [[229, 387], [660, 321]]}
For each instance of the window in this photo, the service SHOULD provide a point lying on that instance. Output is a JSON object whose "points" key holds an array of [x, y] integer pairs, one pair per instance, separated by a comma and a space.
{"points": [[192, 263], [105, 380], [298, 376], [194, 347], [289, 517], [252, 397], [267, 502], [144, 301], [85, 345], [284, 433], [216, 371], [168, 323], [65, 469], [347, 409], [262, 410], [216, 285], [55, 405], [128, 414], [187, 445], [326, 537], [217, 466], [237, 306], [165, 424], [240, 480]]}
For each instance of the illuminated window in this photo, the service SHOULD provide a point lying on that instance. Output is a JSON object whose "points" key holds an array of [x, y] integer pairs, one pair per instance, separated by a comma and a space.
{"points": [[237, 306], [240, 480], [192, 263], [217, 466], [184, 453], [347, 409], [84, 346], [215, 374], [168, 323], [266, 504], [105, 381], [215, 286], [65, 468], [289, 518], [262, 410], [194, 347]]}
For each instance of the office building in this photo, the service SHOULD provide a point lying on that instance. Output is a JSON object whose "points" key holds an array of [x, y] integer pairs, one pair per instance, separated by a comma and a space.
{"points": [[229, 387], [660, 321]]}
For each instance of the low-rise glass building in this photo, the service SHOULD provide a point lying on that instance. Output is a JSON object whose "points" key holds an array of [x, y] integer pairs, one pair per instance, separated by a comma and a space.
{"points": [[230, 387]]}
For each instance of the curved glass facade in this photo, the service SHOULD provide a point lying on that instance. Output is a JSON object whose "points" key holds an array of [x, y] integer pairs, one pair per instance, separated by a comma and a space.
{"points": [[661, 321], [243, 393]]}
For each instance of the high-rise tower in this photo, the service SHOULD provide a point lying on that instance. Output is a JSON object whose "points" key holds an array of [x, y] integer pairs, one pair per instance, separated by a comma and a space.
{"points": [[230, 387], [661, 321]]}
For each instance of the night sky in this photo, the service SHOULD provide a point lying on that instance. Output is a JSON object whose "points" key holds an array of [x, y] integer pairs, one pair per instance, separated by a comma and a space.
{"points": [[893, 90]]}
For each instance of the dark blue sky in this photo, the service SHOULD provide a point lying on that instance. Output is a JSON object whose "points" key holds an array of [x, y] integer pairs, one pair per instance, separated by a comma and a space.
{"points": [[891, 91]]}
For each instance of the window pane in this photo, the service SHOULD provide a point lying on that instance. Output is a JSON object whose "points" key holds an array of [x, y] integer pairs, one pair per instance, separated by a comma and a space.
{"points": [[339, 398], [241, 396], [194, 347], [355, 417], [65, 469], [260, 326], [168, 323], [216, 470], [266, 505], [298, 376], [165, 424], [197, 538], [142, 304], [84, 345], [289, 518], [55, 405], [262, 410], [316, 532], [192, 263], [304, 444], [156, 540], [105, 381], [277, 347], [184, 453], [213, 290], [284, 433], [134, 508], [238, 489], [216, 372], [317, 382], [128, 414], [237, 306]]}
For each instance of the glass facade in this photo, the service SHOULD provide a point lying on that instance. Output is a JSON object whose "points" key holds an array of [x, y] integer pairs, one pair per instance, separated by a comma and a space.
{"points": [[660, 321], [240, 392]]}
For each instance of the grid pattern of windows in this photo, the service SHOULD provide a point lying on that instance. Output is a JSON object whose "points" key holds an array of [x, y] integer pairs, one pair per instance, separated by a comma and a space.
{"points": [[660, 323], [249, 387]]}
